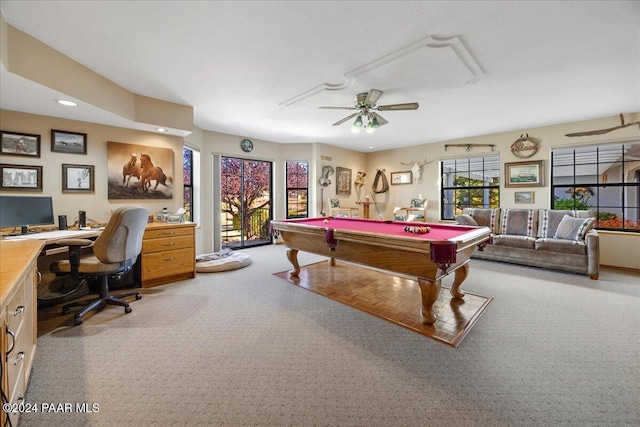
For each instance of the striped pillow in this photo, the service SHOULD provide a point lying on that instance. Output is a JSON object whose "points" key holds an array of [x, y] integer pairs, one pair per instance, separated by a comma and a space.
{"points": [[574, 228], [519, 222], [484, 217], [549, 220]]}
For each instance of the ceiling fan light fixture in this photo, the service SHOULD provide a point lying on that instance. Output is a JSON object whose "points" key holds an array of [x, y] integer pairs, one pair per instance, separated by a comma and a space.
{"points": [[375, 123], [370, 128], [358, 122]]}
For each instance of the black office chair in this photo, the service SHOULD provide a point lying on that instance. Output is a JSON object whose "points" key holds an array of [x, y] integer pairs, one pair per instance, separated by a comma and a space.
{"points": [[114, 253]]}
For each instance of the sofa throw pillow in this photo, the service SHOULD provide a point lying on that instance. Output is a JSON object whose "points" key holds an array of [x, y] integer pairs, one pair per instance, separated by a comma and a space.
{"points": [[519, 222], [549, 220], [574, 228], [485, 217], [465, 219]]}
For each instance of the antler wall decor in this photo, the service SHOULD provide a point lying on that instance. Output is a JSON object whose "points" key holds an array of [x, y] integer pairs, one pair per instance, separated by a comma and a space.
{"points": [[603, 131]]}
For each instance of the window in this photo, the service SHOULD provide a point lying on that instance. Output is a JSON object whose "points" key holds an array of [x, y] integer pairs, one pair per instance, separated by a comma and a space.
{"points": [[472, 182], [604, 179], [191, 182], [297, 189]]}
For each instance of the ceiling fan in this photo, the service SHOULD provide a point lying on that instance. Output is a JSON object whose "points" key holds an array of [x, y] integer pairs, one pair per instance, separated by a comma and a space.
{"points": [[365, 104], [603, 131]]}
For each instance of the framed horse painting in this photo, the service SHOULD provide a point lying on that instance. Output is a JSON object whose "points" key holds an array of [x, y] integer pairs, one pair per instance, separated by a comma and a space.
{"points": [[139, 171], [19, 144], [21, 178]]}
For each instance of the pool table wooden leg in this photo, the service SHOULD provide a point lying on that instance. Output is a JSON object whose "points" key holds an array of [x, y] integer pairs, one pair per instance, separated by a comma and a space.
{"points": [[430, 291], [292, 256], [461, 273]]}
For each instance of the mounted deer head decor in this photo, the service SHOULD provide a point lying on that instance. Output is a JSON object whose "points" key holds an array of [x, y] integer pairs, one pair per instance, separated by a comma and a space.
{"points": [[416, 168]]}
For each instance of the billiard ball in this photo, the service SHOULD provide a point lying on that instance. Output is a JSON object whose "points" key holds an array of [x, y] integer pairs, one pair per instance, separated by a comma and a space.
{"points": [[326, 221]]}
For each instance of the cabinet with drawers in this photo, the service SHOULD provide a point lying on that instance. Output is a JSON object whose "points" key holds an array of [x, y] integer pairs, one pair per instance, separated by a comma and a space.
{"points": [[18, 318], [168, 253]]}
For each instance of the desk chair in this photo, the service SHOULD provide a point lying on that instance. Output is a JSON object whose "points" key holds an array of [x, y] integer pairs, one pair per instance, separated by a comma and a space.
{"points": [[416, 211], [336, 210], [114, 253]]}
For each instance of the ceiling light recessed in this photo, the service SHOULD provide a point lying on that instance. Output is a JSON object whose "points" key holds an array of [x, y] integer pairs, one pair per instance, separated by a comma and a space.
{"points": [[67, 103], [163, 130]]}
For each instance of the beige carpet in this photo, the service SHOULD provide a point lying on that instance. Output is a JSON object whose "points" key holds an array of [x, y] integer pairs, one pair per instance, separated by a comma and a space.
{"points": [[245, 348], [393, 298]]}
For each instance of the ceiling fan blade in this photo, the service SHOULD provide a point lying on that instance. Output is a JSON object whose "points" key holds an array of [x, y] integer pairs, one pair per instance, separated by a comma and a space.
{"points": [[345, 119], [392, 107], [381, 120], [339, 108], [372, 97]]}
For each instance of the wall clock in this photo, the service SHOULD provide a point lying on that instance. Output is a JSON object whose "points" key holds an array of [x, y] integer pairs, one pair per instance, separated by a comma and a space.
{"points": [[246, 145]]}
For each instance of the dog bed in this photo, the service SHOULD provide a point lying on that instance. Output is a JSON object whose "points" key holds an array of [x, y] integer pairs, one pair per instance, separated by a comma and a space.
{"points": [[224, 260]]}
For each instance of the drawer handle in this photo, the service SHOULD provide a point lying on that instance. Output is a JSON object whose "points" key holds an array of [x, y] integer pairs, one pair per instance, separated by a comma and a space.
{"points": [[170, 259], [169, 233], [19, 310], [19, 358], [13, 340], [39, 277], [170, 244]]}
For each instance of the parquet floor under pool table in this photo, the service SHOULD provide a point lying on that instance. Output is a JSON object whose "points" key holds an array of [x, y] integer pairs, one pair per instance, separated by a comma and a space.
{"points": [[393, 298]]}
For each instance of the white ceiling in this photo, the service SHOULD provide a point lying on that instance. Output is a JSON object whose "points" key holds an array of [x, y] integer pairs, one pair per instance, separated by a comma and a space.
{"points": [[260, 69]]}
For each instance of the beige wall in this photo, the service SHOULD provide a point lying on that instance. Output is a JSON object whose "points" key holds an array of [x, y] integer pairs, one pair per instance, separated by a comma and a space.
{"points": [[617, 249], [97, 206]]}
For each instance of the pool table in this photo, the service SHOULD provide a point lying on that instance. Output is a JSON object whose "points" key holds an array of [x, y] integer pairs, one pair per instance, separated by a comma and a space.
{"points": [[386, 245]]}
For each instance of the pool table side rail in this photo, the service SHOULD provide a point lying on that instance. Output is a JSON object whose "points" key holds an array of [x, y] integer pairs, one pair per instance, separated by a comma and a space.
{"points": [[411, 241]]}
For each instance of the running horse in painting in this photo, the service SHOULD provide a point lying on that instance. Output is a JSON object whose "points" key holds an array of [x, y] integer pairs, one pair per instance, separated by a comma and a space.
{"points": [[151, 172], [131, 169]]}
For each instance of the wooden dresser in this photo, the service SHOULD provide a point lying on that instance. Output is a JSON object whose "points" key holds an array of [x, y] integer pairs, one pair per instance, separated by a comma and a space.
{"points": [[168, 253], [18, 317]]}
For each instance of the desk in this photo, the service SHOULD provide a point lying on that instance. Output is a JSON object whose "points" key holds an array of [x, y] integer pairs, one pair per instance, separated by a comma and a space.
{"points": [[385, 245], [50, 238], [17, 318]]}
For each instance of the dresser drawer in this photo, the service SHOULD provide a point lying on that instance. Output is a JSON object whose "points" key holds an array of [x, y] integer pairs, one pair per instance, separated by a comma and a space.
{"points": [[161, 264], [16, 310], [167, 244], [159, 233], [15, 362]]}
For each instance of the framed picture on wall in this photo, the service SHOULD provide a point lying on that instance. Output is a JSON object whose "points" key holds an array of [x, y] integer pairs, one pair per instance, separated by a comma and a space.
{"points": [[139, 171], [524, 174], [78, 179], [524, 197], [19, 144], [405, 177], [343, 181], [21, 178], [63, 141]]}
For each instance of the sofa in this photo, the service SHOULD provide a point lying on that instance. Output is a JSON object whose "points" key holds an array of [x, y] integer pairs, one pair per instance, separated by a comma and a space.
{"points": [[551, 239]]}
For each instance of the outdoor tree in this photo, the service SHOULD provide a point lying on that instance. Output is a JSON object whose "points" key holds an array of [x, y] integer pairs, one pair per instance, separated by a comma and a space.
{"points": [[297, 188], [244, 190]]}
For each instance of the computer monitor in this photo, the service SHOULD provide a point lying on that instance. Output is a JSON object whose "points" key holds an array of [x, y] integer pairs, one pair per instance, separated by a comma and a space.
{"points": [[22, 211]]}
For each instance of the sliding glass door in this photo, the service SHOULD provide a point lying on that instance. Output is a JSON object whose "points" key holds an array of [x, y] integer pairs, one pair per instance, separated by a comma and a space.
{"points": [[246, 202]]}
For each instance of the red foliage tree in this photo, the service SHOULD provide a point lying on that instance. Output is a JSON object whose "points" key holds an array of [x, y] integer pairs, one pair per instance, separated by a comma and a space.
{"points": [[244, 190]]}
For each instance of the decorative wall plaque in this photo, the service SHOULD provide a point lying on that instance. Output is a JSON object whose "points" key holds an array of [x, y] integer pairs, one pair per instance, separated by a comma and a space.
{"points": [[525, 146]]}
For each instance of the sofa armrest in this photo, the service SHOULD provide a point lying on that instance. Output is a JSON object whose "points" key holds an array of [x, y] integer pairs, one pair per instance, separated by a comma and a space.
{"points": [[592, 240]]}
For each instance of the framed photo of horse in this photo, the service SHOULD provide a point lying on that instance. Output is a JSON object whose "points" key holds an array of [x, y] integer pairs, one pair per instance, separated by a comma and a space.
{"points": [[139, 171], [19, 144], [63, 141], [21, 178], [78, 179]]}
